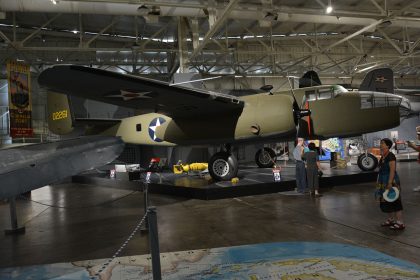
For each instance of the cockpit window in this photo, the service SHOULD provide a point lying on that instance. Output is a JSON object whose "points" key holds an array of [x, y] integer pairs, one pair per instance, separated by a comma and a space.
{"points": [[378, 99], [310, 95], [324, 93]]}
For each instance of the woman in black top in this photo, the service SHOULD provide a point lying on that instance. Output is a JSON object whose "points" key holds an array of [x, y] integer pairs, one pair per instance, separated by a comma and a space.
{"points": [[388, 178]]}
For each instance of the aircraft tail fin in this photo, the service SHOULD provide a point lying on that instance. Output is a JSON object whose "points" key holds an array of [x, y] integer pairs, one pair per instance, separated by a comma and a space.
{"points": [[309, 79], [381, 80], [60, 119]]}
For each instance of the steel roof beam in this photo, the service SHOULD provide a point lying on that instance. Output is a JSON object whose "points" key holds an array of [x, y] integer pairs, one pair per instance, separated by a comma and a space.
{"points": [[383, 12], [390, 41], [39, 29], [191, 9], [114, 21], [370, 26], [5, 38], [221, 19], [408, 7], [253, 35]]}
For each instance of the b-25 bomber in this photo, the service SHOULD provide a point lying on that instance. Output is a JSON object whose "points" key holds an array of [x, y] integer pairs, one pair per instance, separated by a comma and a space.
{"points": [[177, 115]]}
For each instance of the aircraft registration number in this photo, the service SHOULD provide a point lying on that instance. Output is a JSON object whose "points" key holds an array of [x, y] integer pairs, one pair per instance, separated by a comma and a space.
{"points": [[59, 115]]}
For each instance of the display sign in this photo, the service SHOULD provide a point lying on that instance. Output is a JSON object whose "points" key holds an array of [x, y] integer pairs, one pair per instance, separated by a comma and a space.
{"points": [[400, 145], [112, 173], [148, 174], [20, 101], [276, 174]]}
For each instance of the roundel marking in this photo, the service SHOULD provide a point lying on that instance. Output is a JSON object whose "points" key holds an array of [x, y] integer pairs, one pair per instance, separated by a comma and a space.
{"points": [[155, 123]]}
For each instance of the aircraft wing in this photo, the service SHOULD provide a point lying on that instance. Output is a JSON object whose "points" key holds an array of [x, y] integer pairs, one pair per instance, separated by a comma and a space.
{"points": [[33, 166], [137, 92]]}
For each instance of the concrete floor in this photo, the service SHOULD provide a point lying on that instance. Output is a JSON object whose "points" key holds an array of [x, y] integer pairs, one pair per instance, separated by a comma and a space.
{"points": [[90, 222]]}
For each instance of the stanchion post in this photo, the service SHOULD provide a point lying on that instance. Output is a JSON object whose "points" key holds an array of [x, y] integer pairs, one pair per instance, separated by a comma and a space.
{"points": [[146, 182], [13, 216], [146, 204], [13, 219], [154, 242]]}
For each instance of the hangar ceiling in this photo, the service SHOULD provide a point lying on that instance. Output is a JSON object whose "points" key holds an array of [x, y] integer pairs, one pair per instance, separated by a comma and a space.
{"points": [[236, 37]]}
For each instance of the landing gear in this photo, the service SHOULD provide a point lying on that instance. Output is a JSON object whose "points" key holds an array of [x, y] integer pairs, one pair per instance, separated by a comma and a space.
{"points": [[265, 158], [367, 162], [223, 166]]}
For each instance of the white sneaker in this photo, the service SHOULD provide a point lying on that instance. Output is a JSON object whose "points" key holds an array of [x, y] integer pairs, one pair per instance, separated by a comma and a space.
{"points": [[417, 189]]}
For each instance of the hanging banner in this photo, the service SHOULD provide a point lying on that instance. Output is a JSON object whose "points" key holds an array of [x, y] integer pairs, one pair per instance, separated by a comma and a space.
{"points": [[20, 101]]}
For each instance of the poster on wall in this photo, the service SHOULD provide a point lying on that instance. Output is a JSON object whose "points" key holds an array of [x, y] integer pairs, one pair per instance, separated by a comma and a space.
{"points": [[20, 103], [328, 146], [332, 145]]}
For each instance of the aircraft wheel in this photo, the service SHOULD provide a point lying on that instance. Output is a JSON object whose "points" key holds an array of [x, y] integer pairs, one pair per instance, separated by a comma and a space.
{"points": [[223, 166], [265, 158], [367, 162]]}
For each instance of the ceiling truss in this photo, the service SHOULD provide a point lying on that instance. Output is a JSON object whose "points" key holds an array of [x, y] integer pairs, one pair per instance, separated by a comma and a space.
{"points": [[219, 37]]}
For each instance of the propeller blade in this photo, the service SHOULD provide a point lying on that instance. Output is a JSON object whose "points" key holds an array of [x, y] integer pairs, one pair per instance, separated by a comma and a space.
{"points": [[304, 125], [299, 113]]}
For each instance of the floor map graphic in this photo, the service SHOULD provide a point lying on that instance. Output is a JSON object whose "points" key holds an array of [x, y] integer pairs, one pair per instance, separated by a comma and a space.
{"points": [[289, 260]]}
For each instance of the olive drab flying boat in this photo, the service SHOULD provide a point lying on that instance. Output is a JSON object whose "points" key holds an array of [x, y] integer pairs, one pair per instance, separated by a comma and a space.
{"points": [[184, 116]]}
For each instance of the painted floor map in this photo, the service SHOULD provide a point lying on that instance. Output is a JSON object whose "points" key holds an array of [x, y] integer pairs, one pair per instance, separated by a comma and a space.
{"points": [[285, 261]]}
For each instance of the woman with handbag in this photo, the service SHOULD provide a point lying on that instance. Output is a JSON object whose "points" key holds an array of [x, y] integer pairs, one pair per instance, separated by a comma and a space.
{"points": [[387, 182]]}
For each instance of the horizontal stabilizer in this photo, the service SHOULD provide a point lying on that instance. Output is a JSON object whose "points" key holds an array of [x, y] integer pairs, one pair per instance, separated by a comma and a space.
{"points": [[33, 166], [95, 126]]}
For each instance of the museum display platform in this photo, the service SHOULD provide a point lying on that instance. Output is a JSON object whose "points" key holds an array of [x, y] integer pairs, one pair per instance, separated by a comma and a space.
{"points": [[252, 181]]}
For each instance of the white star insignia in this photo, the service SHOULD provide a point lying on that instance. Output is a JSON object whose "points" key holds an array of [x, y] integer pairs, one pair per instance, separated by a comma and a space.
{"points": [[127, 95], [380, 79], [153, 128]]}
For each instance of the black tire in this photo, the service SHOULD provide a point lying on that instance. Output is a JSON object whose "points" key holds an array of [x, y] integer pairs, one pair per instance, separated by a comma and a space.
{"points": [[223, 166], [367, 162], [265, 158]]}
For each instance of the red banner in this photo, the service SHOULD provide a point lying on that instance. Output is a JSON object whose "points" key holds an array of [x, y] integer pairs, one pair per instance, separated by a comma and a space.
{"points": [[20, 101]]}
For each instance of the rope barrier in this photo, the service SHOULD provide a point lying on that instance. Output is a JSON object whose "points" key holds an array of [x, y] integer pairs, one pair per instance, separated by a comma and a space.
{"points": [[105, 265]]}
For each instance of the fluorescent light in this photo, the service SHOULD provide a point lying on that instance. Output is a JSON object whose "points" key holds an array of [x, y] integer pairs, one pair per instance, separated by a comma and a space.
{"points": [[329, 8]]}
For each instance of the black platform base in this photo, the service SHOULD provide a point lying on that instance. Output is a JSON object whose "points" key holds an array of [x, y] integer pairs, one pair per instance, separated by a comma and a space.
{"points": [[252, 181]]}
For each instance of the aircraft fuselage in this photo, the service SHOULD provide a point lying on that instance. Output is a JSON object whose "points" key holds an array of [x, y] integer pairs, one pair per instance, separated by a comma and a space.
{"points": [[267, 117]]}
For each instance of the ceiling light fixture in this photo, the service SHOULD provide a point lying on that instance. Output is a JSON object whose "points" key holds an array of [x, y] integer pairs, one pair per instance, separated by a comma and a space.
{"points": [[329, 8], [54, 2]]}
